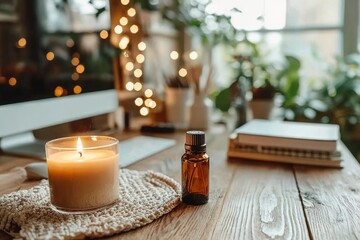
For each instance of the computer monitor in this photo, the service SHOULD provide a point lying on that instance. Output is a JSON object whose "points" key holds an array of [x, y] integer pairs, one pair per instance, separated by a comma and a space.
{"points": [[54, 68]]}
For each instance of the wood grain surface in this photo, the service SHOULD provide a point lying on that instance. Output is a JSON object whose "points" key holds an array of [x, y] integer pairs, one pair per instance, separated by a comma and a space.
{"points": [[248, 199]]}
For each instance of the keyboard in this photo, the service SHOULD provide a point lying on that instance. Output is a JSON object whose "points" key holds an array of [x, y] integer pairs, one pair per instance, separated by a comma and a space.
{"points": [[137, 148]]}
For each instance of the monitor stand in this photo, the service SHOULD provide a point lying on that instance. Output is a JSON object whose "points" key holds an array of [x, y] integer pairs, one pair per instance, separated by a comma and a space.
{"points": [[23, 144]]}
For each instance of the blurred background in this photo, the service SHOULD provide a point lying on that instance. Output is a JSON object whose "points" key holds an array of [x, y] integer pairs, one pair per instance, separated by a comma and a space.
{"points": [[234, 59]]}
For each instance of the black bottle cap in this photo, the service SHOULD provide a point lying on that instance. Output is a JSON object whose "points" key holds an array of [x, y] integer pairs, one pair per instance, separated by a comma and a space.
{"points": [[195, 138]]}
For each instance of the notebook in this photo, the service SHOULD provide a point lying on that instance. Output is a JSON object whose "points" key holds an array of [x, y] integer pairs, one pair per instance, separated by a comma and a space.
{"points": [[298, 135], [287, 142]]}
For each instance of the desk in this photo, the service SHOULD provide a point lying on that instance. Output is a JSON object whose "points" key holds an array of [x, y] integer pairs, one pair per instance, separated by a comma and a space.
{"points": [[251, 200]]}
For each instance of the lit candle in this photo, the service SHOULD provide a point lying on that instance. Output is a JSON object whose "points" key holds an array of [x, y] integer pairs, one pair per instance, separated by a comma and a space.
{"points": [[83, 172]]}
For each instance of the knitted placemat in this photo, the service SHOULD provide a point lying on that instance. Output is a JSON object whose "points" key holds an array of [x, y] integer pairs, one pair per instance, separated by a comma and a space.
{"points": [[144, 197]]}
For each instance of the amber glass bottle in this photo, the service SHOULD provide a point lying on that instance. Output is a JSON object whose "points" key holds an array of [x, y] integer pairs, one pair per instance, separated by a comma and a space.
{"points": [[195, 169]]}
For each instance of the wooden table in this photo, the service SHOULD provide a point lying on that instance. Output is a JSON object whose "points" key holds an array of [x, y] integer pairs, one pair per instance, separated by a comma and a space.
{"points": [[250, 200]]}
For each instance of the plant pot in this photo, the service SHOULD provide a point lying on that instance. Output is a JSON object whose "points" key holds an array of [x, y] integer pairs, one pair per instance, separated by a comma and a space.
{"points": [[262, 108], [200, 112], [178, 102]]}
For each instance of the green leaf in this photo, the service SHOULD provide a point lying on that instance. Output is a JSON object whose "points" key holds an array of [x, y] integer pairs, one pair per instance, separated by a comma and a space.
{"points": [[223, 100]]}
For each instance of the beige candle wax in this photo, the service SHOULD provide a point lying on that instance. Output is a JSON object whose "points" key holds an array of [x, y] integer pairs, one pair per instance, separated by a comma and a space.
{"points": [[82, 179]]}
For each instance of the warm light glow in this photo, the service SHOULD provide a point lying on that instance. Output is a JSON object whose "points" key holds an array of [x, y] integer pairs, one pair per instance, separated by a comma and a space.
{"points": [[193, 55], [182, 72], [137, 86], [141, 46], [148, 102], [139, 101], [2, 79], [152, 104], [134, 29], [118, 29], [58, 91], [148, 93], [138, 73], [144, 111], [124, 42], [70, 43], [174, 55], [12, 81], [123, 21], [75, 61], [21, 43], [79, 147], [50, 56], [131, 12], [104, 34], [77, 89], [75, 76], [140, 58], [125, 2], [80, 68], [129, 86], [129, 66]]}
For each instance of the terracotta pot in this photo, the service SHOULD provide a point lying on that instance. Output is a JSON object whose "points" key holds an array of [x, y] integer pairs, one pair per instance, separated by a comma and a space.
{"points": [[261, 108]]}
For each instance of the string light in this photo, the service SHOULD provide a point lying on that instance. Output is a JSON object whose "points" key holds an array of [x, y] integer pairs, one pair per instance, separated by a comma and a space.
{"points": [[104, 34], [139, 101], [131, 12], [58, 91], [137, 86], [148, 102], [129, 86], [138, 73], [141, 46], [134, 29], [50, 56], [152, 104], [75, 76], [80, 68], [140, 58], [21, 43], [75, 61], [123, 21], [12, 81], [124, 42], [182, 72], [193, 55], [129, 66], [174, 55], [77, 89], [70, 43], [148, 93], [144, 111], [118, 29]]}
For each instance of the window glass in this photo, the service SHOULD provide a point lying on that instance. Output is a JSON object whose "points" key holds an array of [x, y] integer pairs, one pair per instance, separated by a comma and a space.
{"points": [[310, 13]]}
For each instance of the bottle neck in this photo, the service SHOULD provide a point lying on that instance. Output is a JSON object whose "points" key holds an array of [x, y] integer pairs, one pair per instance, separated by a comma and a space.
{"points": [[196, 149]]}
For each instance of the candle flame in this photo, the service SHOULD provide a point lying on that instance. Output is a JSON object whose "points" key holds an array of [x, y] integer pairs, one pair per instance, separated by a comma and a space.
{"points": [[79, 147]]}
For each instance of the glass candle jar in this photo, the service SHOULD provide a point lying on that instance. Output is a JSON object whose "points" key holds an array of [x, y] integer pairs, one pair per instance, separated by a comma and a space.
{"points": [[83, 173]]}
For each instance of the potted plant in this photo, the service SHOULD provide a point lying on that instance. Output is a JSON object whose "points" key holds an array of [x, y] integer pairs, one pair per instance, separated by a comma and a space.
{"points": [[263, 79], [336, 100]]}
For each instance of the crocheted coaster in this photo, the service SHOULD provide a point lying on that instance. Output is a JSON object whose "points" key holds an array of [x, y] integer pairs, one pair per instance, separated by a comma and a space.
{"points": [[144, 197]]}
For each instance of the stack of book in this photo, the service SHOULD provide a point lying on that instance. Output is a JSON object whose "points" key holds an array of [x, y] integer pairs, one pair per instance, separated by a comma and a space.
{"points": [[289, 142]]}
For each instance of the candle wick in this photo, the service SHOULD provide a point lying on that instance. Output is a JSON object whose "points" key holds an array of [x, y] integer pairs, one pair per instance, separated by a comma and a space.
{"points": [[80, 154]]}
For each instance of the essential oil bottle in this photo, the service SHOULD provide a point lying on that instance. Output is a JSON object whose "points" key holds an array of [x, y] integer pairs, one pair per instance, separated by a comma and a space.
{"points": [[195, 169]]}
